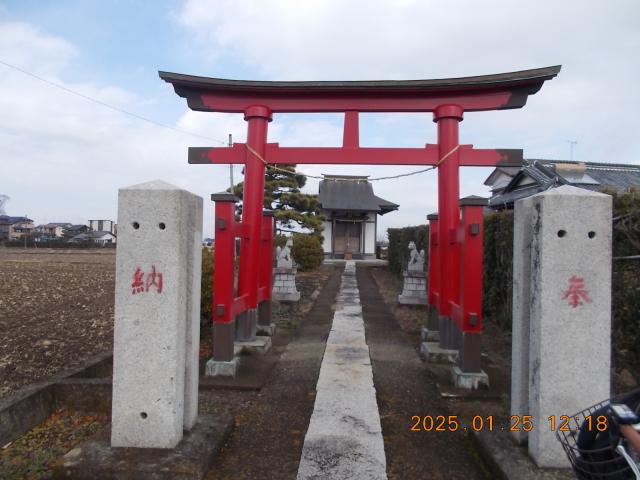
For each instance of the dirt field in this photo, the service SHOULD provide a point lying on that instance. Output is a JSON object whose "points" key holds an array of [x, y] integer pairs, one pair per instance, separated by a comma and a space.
{"points": [[261, 426], [56, 309]]}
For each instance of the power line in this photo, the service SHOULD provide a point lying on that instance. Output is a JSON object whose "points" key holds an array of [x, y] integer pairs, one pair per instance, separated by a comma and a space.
{"points": [[185, 132], [356, 180], [273, 167], [106, 105]]}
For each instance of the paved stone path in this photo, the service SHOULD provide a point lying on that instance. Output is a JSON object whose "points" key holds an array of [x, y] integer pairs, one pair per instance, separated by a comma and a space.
{"points": [[344, 438]]}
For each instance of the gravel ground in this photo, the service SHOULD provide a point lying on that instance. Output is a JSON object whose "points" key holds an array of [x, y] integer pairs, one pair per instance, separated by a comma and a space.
{"points": [[271, 424], [409, 318], [56, 310], [405, 388]]}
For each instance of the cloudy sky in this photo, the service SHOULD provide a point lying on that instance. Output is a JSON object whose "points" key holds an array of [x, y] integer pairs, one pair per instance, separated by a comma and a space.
{"points": [[63, 158]]}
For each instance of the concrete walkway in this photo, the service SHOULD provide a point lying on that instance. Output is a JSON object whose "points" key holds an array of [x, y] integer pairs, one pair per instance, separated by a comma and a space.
{"points": [[344, 438]]}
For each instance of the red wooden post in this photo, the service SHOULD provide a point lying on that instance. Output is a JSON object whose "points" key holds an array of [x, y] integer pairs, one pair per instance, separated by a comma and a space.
{"points": [[258, 118], [433, 279], [351, 134], [448, 118], [224, 259], [266, 270], [470, 236]]}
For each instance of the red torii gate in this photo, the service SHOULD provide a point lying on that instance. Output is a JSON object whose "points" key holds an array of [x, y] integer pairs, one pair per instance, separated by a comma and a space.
{"points": [[456, 298]]}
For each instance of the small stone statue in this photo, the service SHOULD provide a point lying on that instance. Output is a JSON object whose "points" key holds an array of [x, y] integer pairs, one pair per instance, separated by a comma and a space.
{"points": [[284, 258], [416, 260], [284, 280]]}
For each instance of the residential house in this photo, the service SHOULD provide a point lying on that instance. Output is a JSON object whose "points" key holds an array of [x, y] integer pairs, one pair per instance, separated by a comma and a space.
{"points": [[509, 184], [103, 226], [102, 238], [351, 210], [74, 230], [15, 228], [53, 230]]}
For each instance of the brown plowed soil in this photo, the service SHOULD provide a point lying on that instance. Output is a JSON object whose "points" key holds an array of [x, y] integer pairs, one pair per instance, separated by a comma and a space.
{"points": [[56, 310]]}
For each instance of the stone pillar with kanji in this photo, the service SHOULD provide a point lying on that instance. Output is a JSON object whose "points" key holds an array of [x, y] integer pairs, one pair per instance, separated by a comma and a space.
{"points": [[157, 315], [562, 312]]}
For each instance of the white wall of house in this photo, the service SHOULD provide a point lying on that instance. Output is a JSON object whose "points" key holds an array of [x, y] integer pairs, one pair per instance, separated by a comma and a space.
{"points": [[327, 233], [501, 181], [370, 234], [104, 239]]}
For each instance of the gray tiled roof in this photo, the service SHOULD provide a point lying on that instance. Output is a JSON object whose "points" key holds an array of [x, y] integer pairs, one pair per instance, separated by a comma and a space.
{"points": [[598, 176], [336, 194], [57, 224], [620, 178], [7, 219]]}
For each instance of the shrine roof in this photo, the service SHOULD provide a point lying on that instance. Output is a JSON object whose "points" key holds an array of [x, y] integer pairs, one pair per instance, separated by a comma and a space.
{"points": [[235, 95], [342, 193]]}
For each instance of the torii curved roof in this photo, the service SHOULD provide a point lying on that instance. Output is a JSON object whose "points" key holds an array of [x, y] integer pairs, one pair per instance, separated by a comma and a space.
{"points": [[485, 92]]}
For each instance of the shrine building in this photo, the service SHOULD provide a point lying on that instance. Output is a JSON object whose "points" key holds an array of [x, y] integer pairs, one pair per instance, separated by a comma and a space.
{"points": [[351, 211]]}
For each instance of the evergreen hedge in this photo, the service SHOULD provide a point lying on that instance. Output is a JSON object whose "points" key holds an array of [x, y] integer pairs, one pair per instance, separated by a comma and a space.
{"points": [[626, 278], [399, 238], [497, 279], [307, 250]]}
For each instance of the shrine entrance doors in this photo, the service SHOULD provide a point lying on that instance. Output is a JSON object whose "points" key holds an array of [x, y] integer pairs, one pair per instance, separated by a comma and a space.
{"points": [[348, 237]]}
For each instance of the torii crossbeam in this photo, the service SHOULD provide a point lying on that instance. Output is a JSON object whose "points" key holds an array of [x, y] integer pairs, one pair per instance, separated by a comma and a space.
{"points": [[458, 300]]}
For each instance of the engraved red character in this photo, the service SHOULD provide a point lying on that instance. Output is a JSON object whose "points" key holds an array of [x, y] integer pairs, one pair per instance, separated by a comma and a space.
{"points": [[154, 279], [138, 281], [576, 292]]}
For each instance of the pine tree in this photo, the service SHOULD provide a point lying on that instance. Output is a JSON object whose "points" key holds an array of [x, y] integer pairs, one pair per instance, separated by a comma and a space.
{"points": [[292, 207]]}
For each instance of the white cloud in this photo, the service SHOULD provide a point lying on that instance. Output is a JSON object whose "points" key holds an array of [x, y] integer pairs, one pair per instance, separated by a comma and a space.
{"points": [[594, 100], [63, 158], [23, 44], [335, 39]]}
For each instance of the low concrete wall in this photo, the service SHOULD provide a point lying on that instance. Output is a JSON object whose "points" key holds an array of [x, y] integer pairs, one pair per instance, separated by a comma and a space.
{"points": [[75, 388]]}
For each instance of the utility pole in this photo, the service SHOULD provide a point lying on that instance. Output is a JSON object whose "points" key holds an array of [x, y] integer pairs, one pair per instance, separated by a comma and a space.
{"points": [[572, 143], [231, 165]]}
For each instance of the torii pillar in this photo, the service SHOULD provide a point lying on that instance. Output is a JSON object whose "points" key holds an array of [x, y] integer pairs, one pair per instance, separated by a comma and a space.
{"points": [[258, 118]]}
